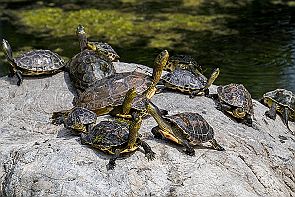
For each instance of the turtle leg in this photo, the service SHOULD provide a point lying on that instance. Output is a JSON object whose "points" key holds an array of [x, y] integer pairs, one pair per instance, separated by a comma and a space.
{"points": [[112, 162], [248, 120], [195, 93], [223, 107], [150, 155], [189, 150], [58, 118], [285, 117], [271, 113], [18, 73], [215, 145], [11, 72]]}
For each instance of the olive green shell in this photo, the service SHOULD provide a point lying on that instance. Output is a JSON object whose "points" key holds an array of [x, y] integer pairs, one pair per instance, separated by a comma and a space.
{"points": [[284, 98], [182, 62], [110, 91], [236, 95], [39, 62], [87, 67], [107, 136], [108, 50], [184, 80], [79, 115], [194, 127]]}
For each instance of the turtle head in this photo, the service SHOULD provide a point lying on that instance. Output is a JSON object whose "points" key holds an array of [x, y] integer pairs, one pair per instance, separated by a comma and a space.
{"points": [[81, 34], [239, 113], [212, 78], [102, 52], [159, 64], [8, 51]]}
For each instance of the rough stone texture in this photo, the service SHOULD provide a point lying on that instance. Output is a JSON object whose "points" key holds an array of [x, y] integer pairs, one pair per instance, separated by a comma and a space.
{"points": [[40, 159]]}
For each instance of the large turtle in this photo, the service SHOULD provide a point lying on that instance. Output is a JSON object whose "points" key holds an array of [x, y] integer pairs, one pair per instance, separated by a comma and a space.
{"points": [[36, 62], [107, 95], [280, 100], [184, 62], [236, 100], [102, 48], [117, 137], [188, 129], [188, 82], [79, 119]]}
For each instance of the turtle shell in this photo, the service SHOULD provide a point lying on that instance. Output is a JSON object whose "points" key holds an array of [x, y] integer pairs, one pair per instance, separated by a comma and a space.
{"points": [[87, 67], [109, 92], [181, 62], [107, 136], [108, 49], [81, 116], [39, 62], [184, 80], [236, 95], [282, 97], [194, 127]]}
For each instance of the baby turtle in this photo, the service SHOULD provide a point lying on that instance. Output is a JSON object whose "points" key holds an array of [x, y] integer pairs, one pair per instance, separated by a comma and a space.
{"points": [[188, 82], [117, 138], [184, 62], [102, 48], [108, 93], [36, 62], [79, 119], [87, 67], [188, 129], [282, 101], [236, 100]]}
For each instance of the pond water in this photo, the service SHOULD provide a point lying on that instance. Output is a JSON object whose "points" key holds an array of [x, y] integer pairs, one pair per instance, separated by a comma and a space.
{"points": [[252, 42]]}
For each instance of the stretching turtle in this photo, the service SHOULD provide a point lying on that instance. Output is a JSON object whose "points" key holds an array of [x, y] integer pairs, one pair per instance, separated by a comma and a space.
{"points": [[188, 82], [117, 138], [79, 119], [187, 129], [282, 101], [107, 95], [101, 48], [236, 100], [36, 62]]}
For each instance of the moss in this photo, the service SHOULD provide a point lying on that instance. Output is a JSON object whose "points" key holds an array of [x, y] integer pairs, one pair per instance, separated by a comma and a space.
{"points": [[119, 27]]}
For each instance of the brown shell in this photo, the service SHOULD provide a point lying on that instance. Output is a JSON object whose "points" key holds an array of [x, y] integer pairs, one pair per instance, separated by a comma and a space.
{"points": [[111, 91], [194, 127], [236, 95]]}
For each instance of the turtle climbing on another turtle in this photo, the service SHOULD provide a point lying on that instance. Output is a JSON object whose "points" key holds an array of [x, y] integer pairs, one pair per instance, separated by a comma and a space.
{"points": [[32, 63], [235, 100], [79, 119], [187, 82], [282, 101], [188, 129], [184, 62], [102, 48]]}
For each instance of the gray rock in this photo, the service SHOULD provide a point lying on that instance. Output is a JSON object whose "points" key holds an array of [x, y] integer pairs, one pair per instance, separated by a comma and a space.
{"points": [[41, 159]]}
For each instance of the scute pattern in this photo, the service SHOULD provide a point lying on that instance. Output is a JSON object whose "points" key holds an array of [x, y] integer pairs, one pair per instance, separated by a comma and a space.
{"points": [[236, 95], [195, 127], [87, 67], [40, 61], [81, 116]]}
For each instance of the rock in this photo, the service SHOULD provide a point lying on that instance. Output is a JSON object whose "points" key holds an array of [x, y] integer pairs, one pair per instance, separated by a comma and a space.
{"points": [[41, 159]]}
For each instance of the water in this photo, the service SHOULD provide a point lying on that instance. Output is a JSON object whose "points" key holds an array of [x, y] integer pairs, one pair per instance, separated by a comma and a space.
{"points": [[254, 44]]}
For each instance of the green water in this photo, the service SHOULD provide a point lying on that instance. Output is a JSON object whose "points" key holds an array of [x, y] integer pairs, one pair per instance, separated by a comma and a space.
{"points": [[252, 42]]}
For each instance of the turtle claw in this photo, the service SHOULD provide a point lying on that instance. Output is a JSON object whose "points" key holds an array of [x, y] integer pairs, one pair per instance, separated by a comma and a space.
{"points": [[150, 155], [111, 165], [190, 152]]}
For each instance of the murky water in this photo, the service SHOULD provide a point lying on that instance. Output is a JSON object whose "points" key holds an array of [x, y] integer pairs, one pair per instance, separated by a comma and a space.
{"points": [[253, 42]]}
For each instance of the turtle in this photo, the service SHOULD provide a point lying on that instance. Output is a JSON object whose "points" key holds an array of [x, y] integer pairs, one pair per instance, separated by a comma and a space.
{"points": [[184, 62], [87, 67], [117, 137], [188, 82], [32, 63], [79, 119], [187, 128], [107, 95], [236, 100], [102, 48], [282, 101]]}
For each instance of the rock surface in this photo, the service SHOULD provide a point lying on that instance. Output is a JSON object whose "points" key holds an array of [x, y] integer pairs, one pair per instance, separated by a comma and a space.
{"points": [[41, 159]]}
